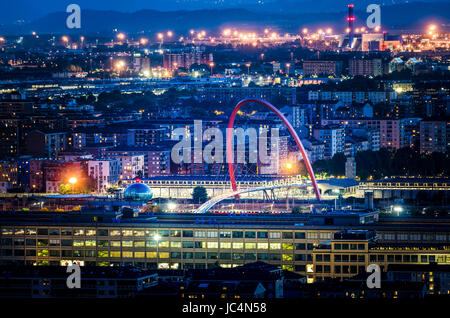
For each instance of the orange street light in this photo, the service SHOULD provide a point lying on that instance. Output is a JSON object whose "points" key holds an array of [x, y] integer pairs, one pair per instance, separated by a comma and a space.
{"points": [[248, 67], [73, 180]]}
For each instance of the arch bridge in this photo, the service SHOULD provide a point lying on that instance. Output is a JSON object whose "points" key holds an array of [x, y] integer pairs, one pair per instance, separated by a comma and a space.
{"points": [[229, 152]]}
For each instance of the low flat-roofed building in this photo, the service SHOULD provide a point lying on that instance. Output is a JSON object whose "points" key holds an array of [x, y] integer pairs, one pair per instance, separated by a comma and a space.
{"points": [[190, 241], [350, 252]]}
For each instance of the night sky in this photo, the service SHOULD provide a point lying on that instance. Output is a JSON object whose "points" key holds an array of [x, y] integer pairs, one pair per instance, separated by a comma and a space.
{"points": [[11, 11]]}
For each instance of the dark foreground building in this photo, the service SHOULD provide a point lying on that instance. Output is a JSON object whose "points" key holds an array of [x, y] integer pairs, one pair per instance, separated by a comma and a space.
{"points": [[189, 241]]}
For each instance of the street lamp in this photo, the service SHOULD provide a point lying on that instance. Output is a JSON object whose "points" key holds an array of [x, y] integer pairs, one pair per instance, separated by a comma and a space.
{"points": [[73, 181], [120, 66], [398, 209], [143, 41], [211, 65], [248, 67], [171, 206], [65, 40]]}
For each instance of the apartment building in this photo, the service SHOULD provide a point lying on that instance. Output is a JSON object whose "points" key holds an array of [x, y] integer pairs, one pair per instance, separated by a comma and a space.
{"points": [[105, 173], [433, 136], [325, 68], [333, 137], [365, 67]]}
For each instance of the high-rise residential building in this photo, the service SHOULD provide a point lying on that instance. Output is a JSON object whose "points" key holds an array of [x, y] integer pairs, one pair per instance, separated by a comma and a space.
{"points": [[173, 61], [301, 114], [156, 160], [433, 136], [325, 68], [366, 67], [45, 143], [131, 166], [389, 132], [278, 159], [333, 137], [105, 173], [145, 136]]}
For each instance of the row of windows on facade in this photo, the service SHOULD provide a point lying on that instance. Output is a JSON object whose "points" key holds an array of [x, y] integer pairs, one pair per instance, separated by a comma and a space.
{"points": [[44, 253], [19, 242], [443, 237], [160, 265], [381, 258], [168, 233]]}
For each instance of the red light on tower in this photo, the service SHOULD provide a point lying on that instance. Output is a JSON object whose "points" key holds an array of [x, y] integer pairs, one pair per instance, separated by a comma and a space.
{"points": [[350, 19]]}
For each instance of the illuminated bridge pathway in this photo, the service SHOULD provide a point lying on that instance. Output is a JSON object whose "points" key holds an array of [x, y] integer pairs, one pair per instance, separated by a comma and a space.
{"points": [[217, 199]]}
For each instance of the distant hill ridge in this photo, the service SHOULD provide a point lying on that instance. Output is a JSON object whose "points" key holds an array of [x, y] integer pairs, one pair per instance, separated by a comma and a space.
{"points": [[410, 15]]}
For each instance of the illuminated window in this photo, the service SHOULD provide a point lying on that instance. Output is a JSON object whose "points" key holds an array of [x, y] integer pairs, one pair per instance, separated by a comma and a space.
{"points": [[90, 232], [213, 245], [225, 245], [225, 234], [43, 253], [199, 234], [127, 254], [237, 245], [175, 244], [115, 253], [78, 243], [127, 243], [127, 233], [263, 246], [274, 235], [151, 254], [78, 232], [250, 246], [288, 267], [275, 246], [139, 243], [28, 231], [212, 234], [102, 254], [139, 254], [164, 244], [288, 246]]}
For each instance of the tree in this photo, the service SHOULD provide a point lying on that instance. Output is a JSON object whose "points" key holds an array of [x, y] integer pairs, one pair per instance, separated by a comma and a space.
{"points": [[199, 194], [64, 188]]}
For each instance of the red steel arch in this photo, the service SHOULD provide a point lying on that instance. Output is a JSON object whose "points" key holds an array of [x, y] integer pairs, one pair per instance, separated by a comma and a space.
{"points": [[289, 127]]}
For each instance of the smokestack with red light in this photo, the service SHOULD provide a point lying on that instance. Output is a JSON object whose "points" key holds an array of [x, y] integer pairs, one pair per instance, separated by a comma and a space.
{"points": [[350, 19]]}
